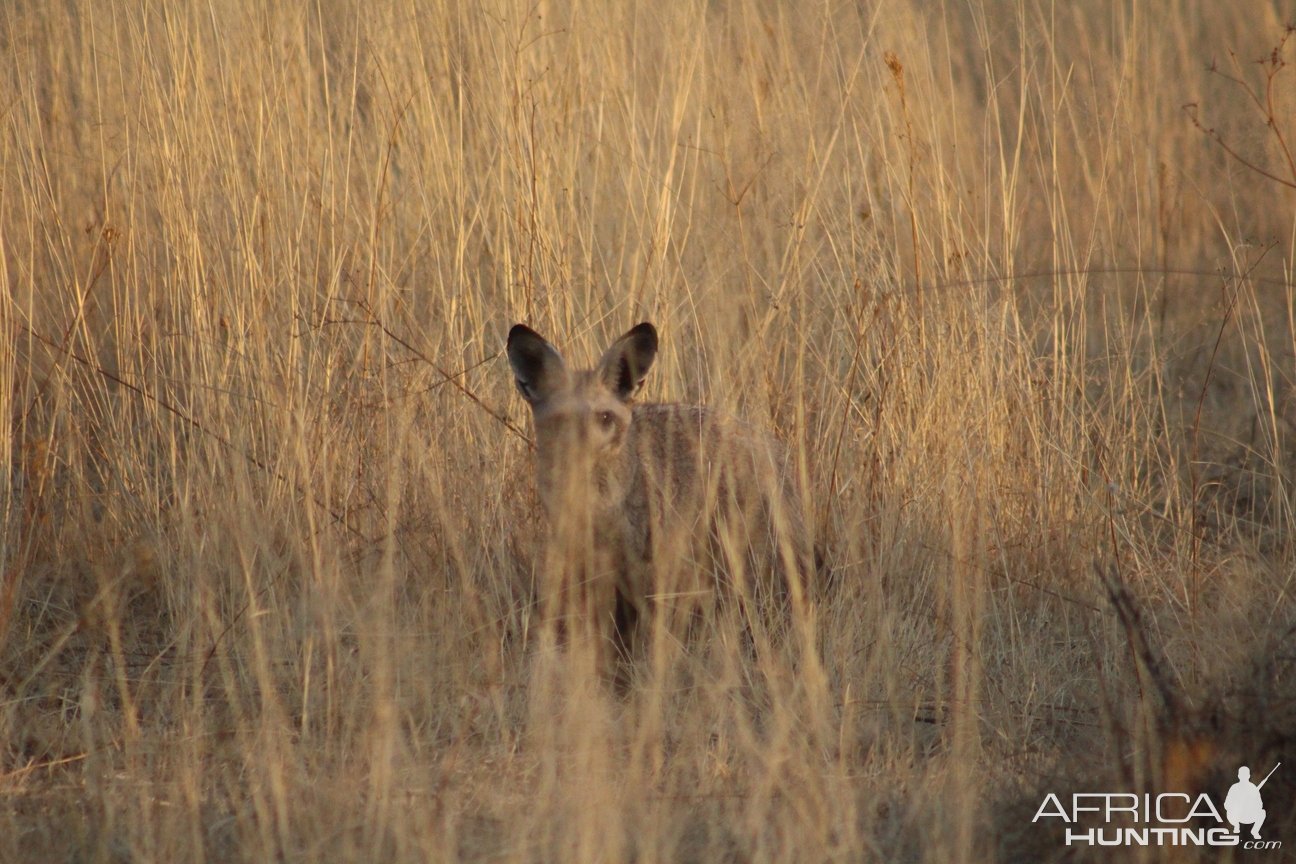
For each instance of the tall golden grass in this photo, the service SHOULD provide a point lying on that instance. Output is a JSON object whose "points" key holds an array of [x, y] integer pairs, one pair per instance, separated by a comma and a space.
{"points": [[269, 531]]}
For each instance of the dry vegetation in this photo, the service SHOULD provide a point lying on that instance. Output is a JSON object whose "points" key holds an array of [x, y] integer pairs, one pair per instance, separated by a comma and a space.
{"points": [[269, 532]]}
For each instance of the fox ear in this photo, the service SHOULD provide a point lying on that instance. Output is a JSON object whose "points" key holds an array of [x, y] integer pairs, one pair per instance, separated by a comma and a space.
{"points": [[538, 368], [626, 363]]}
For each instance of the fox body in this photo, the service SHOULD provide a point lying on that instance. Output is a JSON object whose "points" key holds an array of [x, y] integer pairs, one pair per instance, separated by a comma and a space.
{"points": [[653, 509]]}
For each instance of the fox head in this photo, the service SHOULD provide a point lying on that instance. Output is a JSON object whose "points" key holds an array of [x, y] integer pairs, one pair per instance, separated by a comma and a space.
{"points": [[582, 417]]}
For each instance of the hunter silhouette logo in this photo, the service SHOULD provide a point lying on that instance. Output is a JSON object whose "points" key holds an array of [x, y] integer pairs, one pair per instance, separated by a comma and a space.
{"points": [[1161, 819], [1244, 805]]}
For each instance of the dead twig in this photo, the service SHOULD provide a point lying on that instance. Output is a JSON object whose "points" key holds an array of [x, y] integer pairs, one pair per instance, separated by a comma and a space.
{"points": [[452, 379]]}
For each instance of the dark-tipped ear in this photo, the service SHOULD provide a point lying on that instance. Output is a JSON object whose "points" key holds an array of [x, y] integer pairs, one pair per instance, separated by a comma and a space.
{"points": [[538, 368], [625, 365]]}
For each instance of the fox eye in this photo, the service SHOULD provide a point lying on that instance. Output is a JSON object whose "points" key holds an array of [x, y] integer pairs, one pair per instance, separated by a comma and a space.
{"points": [[606, 419]]}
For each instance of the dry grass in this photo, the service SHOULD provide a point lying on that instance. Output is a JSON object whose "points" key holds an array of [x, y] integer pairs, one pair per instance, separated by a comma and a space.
{"points": [[269, 531]]}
